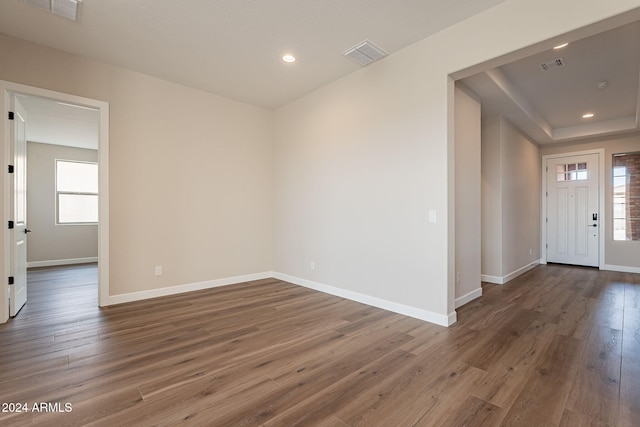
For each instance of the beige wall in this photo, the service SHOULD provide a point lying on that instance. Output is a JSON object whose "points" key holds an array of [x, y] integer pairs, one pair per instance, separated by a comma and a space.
{"points": [[355, 178], [623, 254], [190, 172], [510, 201], [521, 200], [491, 196], [468, 196], [49, 242]]}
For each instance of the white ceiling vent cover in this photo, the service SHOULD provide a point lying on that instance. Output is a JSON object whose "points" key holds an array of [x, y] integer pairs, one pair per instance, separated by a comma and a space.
{"points": [[65, 8], [365, 53], [550, 65]]}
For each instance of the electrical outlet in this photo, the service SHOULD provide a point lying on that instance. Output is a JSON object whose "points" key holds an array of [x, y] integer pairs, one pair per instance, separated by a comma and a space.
{"points": [[458, 277], [312, 265], [158, 270]]}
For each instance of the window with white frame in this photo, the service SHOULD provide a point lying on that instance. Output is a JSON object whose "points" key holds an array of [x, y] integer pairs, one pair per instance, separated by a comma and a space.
{"points": [[76, 192], [626, 196]]}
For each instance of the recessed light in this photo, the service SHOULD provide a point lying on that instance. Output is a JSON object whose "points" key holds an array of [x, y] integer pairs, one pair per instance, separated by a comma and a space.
{"points": [[560, 46], [587, 115], [289, 58]]}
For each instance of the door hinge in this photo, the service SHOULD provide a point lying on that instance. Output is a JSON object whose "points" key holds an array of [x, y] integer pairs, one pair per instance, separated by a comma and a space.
{"points": [[546, 220], [11, 280], [10, 168], [546, 246], [10, 225], [11, 115]]}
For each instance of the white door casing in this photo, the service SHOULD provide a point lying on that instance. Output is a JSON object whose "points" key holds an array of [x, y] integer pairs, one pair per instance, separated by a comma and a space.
{"points": [[573, 218], [18, 255]]}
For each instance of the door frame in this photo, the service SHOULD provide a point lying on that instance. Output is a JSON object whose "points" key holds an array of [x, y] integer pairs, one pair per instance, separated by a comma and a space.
{"points": [[601, 202], [8, 89]]}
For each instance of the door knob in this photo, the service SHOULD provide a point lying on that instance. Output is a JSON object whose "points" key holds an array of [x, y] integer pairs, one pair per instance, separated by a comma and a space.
{"points": [[594, 225], [26, 230]]}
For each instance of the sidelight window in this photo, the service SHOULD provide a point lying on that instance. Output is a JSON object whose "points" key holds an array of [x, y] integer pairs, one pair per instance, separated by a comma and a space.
{"points": [[626, 196]]}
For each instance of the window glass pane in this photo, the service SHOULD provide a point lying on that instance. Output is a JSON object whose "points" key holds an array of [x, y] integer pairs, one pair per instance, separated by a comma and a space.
{"points": [[77, 208], [619, 171], [619, 199], [619, 183], [76, 177], [619, 211], [572, 172], [619, 229]]}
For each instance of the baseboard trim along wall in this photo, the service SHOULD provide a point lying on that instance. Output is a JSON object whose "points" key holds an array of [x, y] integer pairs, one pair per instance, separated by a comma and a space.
{"points": [[179, 289], [620, 268], [492, 279], [405, 310], [504, 279], [56, 262], [372, 301], [477, 293]]}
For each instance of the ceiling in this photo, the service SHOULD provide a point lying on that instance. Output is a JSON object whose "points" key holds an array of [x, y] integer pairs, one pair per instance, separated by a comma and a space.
{"points": [[233, 48], [58, 123], [549, 105]]}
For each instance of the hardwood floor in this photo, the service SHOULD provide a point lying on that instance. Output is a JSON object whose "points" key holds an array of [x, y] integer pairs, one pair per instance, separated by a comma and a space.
{"points": [[558, 346]]}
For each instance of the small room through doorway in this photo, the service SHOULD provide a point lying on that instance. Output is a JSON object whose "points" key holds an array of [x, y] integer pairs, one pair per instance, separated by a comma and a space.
{"points": [[62, 199]]}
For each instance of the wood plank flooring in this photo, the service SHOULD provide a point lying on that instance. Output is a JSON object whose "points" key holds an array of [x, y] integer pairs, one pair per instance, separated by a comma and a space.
{"points": [[558, 346]]}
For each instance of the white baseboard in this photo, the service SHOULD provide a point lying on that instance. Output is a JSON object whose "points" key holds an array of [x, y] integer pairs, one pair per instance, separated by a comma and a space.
{"points": [[504, 279], [56, 262], [620, 268], [492, 279], [179, 289], [405, 310], [460, 301]]}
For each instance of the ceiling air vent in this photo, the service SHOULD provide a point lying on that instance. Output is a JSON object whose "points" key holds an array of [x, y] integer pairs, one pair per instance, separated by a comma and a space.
{"points": [[550, 65], [365, 53], [65, 8]]}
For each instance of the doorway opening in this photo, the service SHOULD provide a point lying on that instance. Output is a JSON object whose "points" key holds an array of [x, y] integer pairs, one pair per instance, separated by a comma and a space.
{"points": [[68, 103]]}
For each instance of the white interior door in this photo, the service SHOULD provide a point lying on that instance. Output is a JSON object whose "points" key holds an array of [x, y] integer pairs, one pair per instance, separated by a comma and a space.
{"points": [[573, 226], [18, 290]]}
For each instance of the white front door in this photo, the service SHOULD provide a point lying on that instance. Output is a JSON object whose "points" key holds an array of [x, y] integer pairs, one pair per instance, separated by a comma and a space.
{"points": [[18, 290], [573, 220]]}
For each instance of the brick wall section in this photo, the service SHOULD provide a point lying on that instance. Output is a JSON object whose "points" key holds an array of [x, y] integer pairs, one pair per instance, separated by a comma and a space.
{"points": [[632, 163]]}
